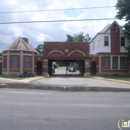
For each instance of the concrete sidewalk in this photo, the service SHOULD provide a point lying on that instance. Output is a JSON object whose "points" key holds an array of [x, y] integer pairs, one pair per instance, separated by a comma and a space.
{"points": [[67, 84], [27, 80], [112, 80]]}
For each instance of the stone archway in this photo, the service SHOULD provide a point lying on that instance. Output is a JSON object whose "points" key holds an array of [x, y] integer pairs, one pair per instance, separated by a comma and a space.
{"points": [[93, 68], [39, 68]]}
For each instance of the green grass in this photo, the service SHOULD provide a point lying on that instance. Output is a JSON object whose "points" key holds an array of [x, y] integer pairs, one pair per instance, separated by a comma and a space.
{"points": [[13, 77], [125, 78]]}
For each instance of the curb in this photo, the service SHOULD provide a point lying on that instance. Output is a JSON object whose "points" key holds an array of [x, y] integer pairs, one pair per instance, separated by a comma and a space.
{"points": [[111, 80], [36, 79], [64, 88]]}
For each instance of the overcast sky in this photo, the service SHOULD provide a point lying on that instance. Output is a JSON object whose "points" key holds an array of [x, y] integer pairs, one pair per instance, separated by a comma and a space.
{"points": [[37, 33]]}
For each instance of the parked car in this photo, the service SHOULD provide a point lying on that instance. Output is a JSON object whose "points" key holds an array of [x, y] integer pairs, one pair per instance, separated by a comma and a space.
{"points": [[71, 68]]}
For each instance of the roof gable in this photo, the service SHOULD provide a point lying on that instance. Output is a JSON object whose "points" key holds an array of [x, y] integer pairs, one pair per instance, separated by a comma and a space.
{"points": [[107, 28], [20, 44]]}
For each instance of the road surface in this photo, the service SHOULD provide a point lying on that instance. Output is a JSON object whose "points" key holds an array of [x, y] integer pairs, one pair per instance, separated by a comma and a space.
{"points": [[22, 109]]}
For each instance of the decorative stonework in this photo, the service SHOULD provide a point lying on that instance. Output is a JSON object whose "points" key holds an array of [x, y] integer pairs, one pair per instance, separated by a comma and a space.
{"points": [[66, 50], [76, 51], [56, 51]]}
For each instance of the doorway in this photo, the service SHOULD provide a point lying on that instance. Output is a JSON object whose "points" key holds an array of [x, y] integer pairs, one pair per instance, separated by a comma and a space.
{"points": [[39, 68], [93, 68]]}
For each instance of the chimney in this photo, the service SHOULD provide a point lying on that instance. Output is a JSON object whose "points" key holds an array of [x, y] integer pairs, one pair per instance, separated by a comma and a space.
{"points": [[26, 40]]}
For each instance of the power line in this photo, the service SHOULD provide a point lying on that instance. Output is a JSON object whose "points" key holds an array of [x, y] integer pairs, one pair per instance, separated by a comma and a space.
{"points": [[56, 9], [70, 20]]}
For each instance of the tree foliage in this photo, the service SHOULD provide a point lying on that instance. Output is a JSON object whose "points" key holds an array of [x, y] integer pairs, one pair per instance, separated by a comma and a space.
{"points": [[80, 37], [40, 48], [123, 7], [0, 54]]}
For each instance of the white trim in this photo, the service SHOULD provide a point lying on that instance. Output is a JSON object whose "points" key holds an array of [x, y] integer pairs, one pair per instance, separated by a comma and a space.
{"points": [[56, 51], [77, 51]]}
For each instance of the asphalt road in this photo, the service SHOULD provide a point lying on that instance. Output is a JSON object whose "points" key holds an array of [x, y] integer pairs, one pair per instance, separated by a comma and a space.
{"points": [[22, 109]]}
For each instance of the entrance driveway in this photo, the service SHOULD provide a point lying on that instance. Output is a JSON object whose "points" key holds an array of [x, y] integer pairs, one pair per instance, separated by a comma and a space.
{"points": [[65, 81]]}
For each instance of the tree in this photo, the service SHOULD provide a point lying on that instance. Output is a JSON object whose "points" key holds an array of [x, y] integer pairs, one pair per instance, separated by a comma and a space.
{"points": [[40, 48], [78, 37], [0, 54], [123, 7]]}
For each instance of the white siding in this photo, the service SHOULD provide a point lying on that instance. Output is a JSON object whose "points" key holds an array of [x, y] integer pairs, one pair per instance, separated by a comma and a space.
{"points": [[99, 44], [94, 45], [122, 48], [103, 48]]}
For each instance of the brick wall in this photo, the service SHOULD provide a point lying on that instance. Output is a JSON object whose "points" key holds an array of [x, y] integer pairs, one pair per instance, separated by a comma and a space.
{"points": [[115, 39]]}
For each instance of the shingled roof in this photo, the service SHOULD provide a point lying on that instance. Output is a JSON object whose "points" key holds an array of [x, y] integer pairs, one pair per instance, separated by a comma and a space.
{"points": [[20, 45]]}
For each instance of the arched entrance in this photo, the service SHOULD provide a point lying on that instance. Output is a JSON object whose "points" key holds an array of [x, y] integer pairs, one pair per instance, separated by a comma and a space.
{"points": [[93, 68], [39, 68]]}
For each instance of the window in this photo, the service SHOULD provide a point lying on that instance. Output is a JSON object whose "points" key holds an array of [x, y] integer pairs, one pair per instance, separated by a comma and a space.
{"points": [[27, 62], [106, 41], [107, 62], [114, 29], [5, 62], [122, 62], [14, 61], [115, 63], [122, 41]]}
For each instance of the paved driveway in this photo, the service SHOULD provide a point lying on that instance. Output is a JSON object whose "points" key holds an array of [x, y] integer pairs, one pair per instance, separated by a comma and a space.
{"points": [[64, 71], [79, 81]]}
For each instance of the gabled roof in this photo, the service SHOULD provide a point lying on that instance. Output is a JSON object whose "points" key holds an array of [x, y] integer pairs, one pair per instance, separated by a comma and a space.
{"points": [[109, 26], [21, 45], [104, 30]]}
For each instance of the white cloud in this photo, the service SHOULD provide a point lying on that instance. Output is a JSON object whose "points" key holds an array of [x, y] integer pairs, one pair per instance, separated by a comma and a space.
{"points": [[11, 2], [42, 37], [40, 32], [18, 31]]}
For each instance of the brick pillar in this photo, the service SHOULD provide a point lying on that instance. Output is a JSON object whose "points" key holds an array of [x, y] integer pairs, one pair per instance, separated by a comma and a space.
{"points": [[100, 65], [118, 62], [33, 63], [87, 70], [45, 68], [8, 62], [111, 62], [21, 62]]}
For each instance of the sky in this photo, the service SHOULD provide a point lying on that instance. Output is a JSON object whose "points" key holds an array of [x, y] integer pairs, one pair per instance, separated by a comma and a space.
{"points": [[38, 33]]}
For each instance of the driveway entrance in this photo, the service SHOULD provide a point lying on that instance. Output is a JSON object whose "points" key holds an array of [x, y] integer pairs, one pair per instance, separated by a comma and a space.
{"points": [[39, 68], [70, 56], [66, 67], [93, 68]]}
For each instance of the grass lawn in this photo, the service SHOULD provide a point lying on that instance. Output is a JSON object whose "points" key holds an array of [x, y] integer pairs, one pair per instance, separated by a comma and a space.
{"points": [[13, 77], [125, 78]]}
